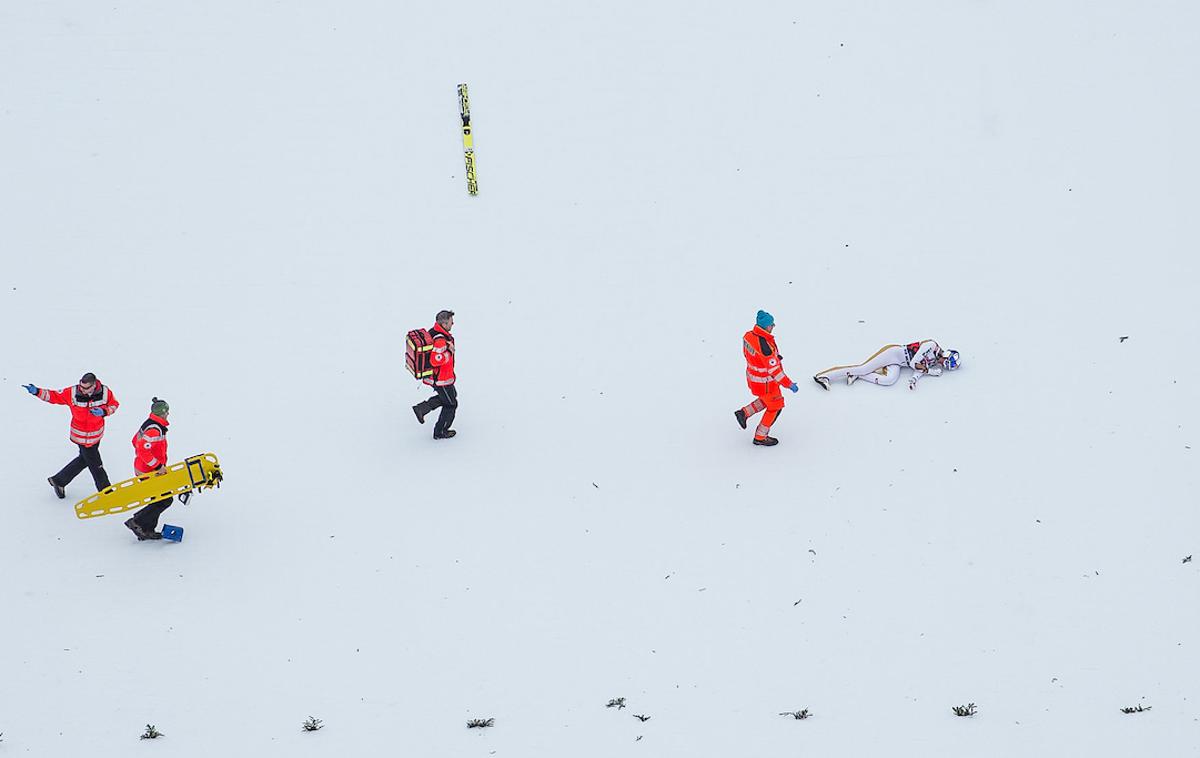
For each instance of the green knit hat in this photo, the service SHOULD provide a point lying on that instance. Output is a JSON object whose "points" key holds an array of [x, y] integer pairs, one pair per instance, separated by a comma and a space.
{"points": [[159, 407]]}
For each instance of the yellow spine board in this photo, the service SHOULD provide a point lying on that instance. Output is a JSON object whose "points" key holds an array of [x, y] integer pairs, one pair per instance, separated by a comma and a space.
{"points": [[195, 473]]}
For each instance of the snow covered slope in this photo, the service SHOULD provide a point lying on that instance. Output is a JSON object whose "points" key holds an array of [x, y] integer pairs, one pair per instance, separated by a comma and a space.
{"points": [[242, 207]]}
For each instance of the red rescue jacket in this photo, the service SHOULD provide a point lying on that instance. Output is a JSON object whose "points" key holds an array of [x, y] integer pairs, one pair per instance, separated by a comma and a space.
{"points": [[441, 357], [764, 365], [150, 445], [86, 429]]}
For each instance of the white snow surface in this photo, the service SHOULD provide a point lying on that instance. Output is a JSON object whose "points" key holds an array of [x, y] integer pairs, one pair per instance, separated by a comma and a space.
{"points": [[242, 207]]}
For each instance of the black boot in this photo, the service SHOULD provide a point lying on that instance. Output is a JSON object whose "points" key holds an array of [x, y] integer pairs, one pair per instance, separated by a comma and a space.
{"points": [[420, 409], [141, 533], [60, 491], [445, 435], [740, 415], [766, 441]]}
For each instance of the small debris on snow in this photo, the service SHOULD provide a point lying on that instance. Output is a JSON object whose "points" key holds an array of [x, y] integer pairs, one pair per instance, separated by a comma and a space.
{"points": [[641, 717], [797, 602], [814, 552], [1122, 339], [313, 724], [597, 486], [1187, 559], [480, 723], [616, 702]]}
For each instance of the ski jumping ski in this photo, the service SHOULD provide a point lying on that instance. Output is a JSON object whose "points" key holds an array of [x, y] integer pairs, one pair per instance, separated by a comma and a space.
{"points": [[464, 108]]}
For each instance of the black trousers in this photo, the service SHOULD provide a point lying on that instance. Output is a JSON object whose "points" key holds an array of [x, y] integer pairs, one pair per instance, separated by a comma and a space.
{"points": [[147, 518], [446, 399], [88, 458]]}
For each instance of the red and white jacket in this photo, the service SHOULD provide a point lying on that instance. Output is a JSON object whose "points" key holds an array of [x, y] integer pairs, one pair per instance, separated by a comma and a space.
{"points": [[764, 364], [86, 428], [441, 357], [150, 445]]}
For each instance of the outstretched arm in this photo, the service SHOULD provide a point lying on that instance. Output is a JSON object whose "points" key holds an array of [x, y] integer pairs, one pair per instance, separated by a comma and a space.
{"points": [[920, 372], [56, 397]]}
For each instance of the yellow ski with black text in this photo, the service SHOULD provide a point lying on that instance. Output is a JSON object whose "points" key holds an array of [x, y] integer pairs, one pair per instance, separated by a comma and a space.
{"points": [[199, 472], [464, 109]]}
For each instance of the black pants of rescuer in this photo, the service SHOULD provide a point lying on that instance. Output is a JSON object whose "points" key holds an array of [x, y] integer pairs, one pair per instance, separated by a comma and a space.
{"points": [[147, 518], [446, 399], [88, 458]]}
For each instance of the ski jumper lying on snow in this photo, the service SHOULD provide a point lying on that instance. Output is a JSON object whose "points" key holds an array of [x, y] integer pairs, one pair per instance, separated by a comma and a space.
{"points": [[925, 358]]}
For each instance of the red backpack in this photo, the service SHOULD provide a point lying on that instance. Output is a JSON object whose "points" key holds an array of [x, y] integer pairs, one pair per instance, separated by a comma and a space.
{"points": [[418, 346]]}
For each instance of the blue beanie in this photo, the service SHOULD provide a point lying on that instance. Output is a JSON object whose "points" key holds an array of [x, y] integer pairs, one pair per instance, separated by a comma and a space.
{"points": [[765, 319]]}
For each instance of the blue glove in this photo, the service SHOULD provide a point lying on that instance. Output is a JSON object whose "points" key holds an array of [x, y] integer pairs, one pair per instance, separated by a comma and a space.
{"points": [[30, 388], [98, 412], [794, 388]]}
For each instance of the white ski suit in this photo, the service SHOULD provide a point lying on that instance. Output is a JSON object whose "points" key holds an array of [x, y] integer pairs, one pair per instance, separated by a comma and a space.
{"points": [[884, 366]]}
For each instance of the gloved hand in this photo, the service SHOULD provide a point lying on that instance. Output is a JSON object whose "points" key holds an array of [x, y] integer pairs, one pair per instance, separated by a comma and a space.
{"points": [[98, 412], [912, 383], [794, 387], [30, 389]]}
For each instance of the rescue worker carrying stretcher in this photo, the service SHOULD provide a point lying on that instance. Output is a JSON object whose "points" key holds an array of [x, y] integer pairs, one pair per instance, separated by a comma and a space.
{"points": [[764, 375]]}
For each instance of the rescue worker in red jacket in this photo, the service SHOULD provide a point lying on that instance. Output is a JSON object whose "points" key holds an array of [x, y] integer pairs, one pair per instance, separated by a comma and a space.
{"points": [[150, 455], [442, 381], [764, 375], [91, 402]]}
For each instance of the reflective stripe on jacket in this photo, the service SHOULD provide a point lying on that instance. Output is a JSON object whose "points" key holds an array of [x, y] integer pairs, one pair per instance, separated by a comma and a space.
{"points": [[441, 357], [150, 445], [764, 364], [86, 428]]}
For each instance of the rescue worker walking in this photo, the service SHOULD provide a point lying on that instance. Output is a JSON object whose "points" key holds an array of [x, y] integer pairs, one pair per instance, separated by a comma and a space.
{"points": [[91, 402], [150, 455], [765, 377], [442, 380]]}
